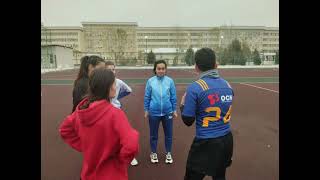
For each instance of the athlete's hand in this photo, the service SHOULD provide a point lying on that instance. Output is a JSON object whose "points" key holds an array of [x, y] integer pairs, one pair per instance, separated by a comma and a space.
{"points": [[183, 98], [175, 115], [146, 114]]}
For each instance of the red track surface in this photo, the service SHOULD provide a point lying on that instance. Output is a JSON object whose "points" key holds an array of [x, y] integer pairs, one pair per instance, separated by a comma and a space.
{"points": [[254, 121]]}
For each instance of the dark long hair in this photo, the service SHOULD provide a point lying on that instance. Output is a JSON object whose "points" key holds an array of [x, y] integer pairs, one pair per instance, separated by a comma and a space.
{"points": [[108, 63], [100, 83], [84, 66], [159, 62]]}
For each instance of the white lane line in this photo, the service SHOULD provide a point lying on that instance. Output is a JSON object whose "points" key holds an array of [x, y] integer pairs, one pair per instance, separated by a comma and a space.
{"points": [[260, 87]]}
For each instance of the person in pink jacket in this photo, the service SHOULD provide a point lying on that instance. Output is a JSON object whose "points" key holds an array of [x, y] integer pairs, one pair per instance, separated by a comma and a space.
{"points": [[101, 132]]}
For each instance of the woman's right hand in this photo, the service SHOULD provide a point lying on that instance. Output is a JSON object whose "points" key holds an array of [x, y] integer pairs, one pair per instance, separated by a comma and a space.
{"points": [[146, 114], [183, 98]]}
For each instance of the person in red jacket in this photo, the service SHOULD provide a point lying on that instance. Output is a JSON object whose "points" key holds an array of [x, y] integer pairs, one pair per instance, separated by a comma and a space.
{"points": [[101, 132]]}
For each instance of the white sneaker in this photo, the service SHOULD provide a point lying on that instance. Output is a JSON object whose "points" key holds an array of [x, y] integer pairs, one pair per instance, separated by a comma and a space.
{"points": [[134, 162], [154, 158], [169, 159]]}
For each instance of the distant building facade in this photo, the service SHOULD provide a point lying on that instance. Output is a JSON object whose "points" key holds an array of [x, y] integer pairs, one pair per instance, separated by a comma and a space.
{"points": [[126, 41]]}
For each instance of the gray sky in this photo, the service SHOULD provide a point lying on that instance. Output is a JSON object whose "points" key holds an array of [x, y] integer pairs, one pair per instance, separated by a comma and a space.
{"points": [[149, 13]]}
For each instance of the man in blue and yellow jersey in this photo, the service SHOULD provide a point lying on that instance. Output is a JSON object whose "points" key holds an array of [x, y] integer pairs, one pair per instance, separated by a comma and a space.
{"points": [[208, 102]]}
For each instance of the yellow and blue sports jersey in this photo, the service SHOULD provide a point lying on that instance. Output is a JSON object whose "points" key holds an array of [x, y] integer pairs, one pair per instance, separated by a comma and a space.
{"points": [[209, 100]]}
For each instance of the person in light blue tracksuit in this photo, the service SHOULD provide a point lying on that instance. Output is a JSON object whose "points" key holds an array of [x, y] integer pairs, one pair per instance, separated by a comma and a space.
{"points": [[160, 102]]}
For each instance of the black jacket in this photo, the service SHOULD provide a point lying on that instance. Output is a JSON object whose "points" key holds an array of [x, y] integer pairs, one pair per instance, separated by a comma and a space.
{"points": [[79, 91]]}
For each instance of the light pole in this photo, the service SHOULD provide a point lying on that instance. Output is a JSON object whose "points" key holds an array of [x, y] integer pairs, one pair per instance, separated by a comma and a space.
{"points": [[220, 49], [146, 38], [220, 42]]}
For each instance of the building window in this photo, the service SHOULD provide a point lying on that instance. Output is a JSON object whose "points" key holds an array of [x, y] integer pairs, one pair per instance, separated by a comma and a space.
{"points": [[51, 58]]}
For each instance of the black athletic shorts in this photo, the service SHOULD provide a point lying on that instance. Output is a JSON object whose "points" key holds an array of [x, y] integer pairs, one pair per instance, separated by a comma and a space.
{"points": [[208, 156]]}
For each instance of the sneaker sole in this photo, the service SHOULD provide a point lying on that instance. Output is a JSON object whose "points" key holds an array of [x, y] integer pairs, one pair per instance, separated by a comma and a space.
{"points": [[154, 161], [169, 162], [134, 162]]}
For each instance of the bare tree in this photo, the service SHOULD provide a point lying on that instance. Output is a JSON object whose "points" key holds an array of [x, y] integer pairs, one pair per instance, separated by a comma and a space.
{"points": [[180, 42]]}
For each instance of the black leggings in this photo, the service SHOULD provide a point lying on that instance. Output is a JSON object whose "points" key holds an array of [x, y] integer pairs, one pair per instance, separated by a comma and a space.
{"points": [[193, 175]]}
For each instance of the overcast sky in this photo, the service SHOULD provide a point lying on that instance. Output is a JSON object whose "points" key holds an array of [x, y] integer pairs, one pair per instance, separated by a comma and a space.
{"points": [[153, 13]]}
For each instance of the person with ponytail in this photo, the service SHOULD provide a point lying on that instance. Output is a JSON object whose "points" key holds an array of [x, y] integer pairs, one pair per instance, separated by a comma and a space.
{"points": [[101, 132], [80, 86]]}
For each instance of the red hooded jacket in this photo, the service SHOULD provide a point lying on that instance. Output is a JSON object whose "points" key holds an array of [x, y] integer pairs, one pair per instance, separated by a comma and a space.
{"points": [[104, 136]]}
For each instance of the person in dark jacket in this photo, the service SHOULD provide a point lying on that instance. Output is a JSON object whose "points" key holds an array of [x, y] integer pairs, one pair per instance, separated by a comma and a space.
{"points": [[101, 132], [80, 87]]}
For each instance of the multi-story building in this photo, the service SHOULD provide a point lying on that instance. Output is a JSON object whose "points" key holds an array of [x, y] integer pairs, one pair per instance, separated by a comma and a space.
{"points": [[168, 42], [125, 41], [116, 41], [64, 36], [264, 39], [177, 37], [270, 44], [251, 35]]}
